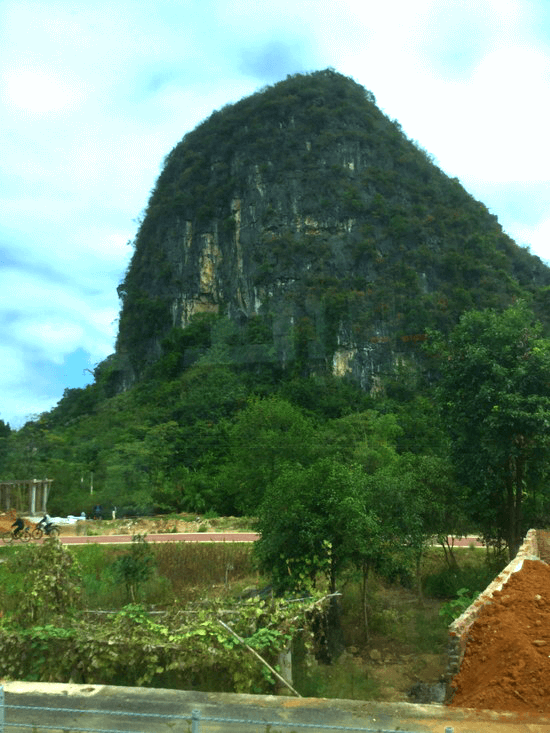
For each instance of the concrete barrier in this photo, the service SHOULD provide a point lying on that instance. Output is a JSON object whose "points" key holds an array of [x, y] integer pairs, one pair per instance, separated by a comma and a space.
{"points": [[35, 706]]}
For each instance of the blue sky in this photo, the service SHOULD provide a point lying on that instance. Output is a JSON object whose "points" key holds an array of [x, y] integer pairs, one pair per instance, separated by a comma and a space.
{"points": [[94, 95]]}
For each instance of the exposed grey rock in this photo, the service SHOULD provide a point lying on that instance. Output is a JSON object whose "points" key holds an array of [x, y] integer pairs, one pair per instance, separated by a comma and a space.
{"points": [[306, 208]]}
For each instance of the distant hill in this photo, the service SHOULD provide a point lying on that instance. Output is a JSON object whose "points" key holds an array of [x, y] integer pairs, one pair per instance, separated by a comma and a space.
{"points": [[329, 239]]}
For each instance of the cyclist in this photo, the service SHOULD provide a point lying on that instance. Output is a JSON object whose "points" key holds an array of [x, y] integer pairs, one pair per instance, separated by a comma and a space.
{"points": [[45, 523], [18, 525]]}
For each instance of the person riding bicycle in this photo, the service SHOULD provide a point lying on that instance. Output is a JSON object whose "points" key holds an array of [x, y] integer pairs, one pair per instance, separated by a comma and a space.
{"points": [[45, 523], [18, 526]]}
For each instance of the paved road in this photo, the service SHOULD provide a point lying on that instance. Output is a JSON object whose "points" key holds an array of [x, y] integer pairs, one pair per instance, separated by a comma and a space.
{"points": [[169, 537], [467, 542]]}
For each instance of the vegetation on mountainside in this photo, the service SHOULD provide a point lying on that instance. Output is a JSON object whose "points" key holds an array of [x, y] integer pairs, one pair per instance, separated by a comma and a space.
{"points": [[393, 246], [228, 439], [218, 422]]}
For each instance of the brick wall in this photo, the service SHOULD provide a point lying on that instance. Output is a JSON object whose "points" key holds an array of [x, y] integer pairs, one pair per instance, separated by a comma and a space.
{"points": [[543, 545]]}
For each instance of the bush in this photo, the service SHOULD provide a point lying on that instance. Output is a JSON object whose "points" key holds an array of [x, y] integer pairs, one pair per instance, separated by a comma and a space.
{"points": [[136, 566], [455, 608], [52, 583], [447, 583]]}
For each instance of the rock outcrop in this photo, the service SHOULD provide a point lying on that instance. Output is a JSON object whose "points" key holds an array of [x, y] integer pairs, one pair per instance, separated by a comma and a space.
{"points": [[306, 216]]}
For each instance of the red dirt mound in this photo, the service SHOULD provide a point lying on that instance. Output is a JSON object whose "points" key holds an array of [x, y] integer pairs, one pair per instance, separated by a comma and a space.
{"points": [[507, 661]]}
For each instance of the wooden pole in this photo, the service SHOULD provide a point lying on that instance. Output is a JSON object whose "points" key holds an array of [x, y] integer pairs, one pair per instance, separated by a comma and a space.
{"points": [[262, 660]]}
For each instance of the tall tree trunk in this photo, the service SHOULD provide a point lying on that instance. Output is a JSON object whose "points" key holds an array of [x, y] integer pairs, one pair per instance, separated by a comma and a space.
{"points": [[513, 506], [520, 472], [366, 569], [448, 551], [418, 558]]}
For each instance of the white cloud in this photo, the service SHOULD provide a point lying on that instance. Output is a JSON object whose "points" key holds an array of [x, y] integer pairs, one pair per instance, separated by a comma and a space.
{"points": [[536, 237], [54, 320], [489, 118], [63, 335], [39, 93], [13, 369], [20, 396], [499, 118]]}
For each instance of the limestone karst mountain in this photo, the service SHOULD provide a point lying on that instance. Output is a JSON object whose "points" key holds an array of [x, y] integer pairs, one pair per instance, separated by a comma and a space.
{"points": [[328, 239]]}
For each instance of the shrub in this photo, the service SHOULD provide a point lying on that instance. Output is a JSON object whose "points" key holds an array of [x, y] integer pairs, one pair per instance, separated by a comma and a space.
{"points": [[453, 609], [52, 583], [447, 583], [135, 567]]}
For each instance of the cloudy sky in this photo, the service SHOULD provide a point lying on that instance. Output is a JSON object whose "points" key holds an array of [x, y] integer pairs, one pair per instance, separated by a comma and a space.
{"points": [[93, 96]]}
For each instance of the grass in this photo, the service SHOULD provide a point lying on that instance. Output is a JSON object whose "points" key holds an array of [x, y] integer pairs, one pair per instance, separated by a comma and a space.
{"points": [[473, 571], [184, 572], [406, 632], [239, 524], [195, 569], [401, 624], [341, 680]]}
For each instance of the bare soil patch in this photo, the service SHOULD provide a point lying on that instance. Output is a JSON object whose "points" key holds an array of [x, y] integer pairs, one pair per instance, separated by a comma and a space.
{"points": [[184, 523], [507, 661]]}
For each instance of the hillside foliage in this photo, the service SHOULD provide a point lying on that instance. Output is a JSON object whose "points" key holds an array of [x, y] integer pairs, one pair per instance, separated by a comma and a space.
{"points": [[243, 412], [348, 235]]}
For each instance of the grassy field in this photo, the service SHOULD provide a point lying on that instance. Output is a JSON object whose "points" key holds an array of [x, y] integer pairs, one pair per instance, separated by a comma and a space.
{"points": [[407, 634]]}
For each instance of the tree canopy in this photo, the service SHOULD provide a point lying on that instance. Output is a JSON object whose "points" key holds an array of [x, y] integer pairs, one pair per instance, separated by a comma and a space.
{"points": [[494, 394]]}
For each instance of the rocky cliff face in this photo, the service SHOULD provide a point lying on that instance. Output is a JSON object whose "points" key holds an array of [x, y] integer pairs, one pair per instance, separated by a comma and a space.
{"points": [[305, 215]]}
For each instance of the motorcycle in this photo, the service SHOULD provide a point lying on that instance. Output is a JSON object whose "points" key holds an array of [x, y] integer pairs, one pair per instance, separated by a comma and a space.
{"points": [[42, 528]]}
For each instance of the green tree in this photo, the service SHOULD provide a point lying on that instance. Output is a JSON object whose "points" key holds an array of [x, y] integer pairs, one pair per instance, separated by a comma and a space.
{"points": [[267, 436], [441, 500], [365, 438], [135, 567], [128, 478], [494, 394], [302, 524], [407, 497], [5, 432], [314, 521]]}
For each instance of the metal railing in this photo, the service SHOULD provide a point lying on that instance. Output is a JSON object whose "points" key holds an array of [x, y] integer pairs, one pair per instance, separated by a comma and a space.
{"points": [[39, 719]]}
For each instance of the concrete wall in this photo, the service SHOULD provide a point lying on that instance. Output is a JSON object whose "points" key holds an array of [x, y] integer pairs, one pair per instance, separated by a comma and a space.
{"points": [[36, 705], [29, 496], [458, 630]]}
